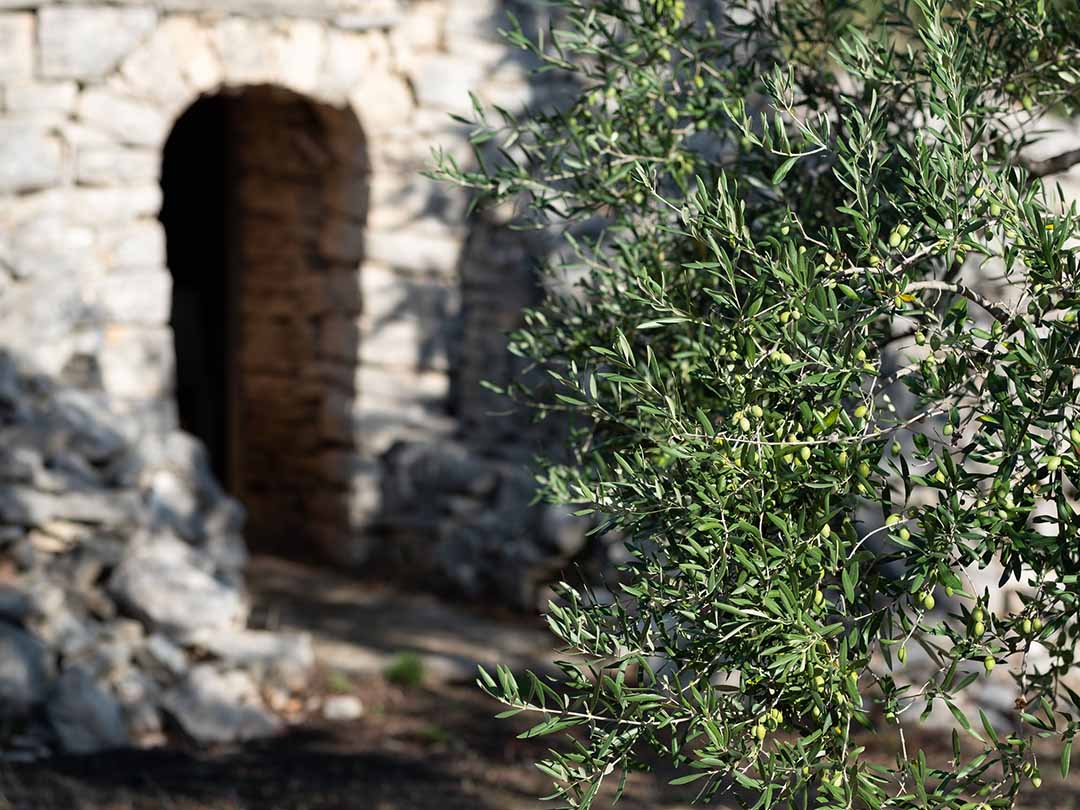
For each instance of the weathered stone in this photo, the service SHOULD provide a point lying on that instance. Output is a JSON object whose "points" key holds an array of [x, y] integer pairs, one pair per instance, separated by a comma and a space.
{"points": [[49, 246], [163, 580], [24, 671], [136, 297], [382, 101], [341, 708], [299, 54], [136, 363], [87, 42], [190, 42], [84, 716], [16, 46], [155, 70], [427, 253], [116, 166], [404, 344], [163, 653], [30, 157], [29, 507], [213, 706], [128, 119], [32, 97], [246, 50], [135, 244], [286, 659], [14, 604], [443, 82]]}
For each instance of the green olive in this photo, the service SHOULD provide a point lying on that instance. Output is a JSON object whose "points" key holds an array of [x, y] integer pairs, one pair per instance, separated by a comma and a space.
{"points": [[864, 469], [860, 412], [928, 601], [804, 453], [1025, 627], [904, 534], [901, 654], [989, 663], [978, 629], [1052, 463]]}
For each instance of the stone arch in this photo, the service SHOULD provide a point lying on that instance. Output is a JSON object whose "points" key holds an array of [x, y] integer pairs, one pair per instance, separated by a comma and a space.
{"points": [[265, 198]]}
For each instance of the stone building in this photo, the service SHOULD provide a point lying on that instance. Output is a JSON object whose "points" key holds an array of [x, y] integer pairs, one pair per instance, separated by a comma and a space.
{"points": [[212, 217]]}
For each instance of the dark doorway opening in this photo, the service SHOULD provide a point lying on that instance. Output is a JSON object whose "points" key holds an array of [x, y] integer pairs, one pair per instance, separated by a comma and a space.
{"points": [[265, 198], [194, 179]]}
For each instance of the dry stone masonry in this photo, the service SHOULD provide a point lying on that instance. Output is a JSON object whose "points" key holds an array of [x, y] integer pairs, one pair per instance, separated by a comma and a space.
{"points": [[231, 308]]}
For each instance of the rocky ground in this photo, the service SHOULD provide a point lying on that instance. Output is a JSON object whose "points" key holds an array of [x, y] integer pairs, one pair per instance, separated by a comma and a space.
{"points": [[391, 721]]}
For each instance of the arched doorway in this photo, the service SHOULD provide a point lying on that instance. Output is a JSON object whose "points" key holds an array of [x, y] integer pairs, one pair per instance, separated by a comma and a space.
{"points": [[265, 199]]}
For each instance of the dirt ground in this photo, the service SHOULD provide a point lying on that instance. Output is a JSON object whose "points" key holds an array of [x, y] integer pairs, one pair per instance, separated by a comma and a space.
{"points": [[426, 742]]}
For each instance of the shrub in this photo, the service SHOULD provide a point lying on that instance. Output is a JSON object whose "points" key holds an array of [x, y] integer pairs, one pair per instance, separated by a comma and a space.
{"points": [[781, 219]]}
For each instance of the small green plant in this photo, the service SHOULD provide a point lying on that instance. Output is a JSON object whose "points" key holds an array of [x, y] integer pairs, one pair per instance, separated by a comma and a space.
{"points": [[778, 215], [339, 683], [406, 670]]}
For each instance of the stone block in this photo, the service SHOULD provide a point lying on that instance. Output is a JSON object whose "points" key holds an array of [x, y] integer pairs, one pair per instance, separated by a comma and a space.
{"points": [[88, 42], [116, 166], [136, 297], [198, 61], [390, 297], [443, 82], [35, 97], [404, 344], [137, 362], [246, 49], [419, 34], [299, 55], [128, 119], [16, 46], [348, 59], [155, 70], [382, 101], [31, 157], [49, 246], [138, 244], [408, 200], [215, 706], [436, 254], [416, 393]]}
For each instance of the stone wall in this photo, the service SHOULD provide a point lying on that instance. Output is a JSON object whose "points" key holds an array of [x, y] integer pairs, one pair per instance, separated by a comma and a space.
{"points": [[346, 333]]}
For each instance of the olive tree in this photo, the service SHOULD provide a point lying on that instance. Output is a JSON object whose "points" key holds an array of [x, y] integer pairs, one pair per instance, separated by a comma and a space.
{"points": [[814, 278]]}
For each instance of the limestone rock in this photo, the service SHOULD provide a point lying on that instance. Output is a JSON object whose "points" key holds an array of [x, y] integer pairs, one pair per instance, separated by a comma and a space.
{"points": [[85, 717], [129, 120], [340, 708], [215, 706], [24, 670], [286, 659], [16, 46], [163, 580], [87, 42], [30, 157]]}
